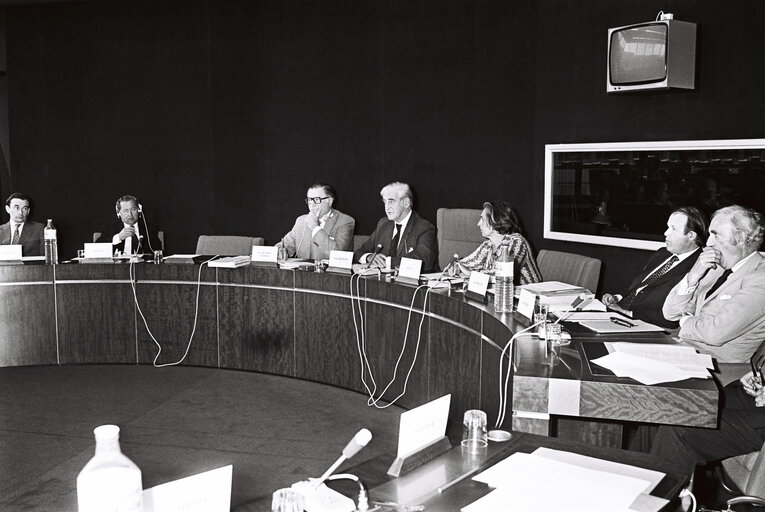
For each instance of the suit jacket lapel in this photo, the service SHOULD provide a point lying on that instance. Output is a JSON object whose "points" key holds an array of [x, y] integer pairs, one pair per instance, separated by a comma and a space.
{"points": [[733, 283], [329, 225], [5, 233]]}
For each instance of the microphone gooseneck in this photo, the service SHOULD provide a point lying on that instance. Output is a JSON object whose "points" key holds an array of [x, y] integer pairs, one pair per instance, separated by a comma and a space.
{"points": [[378, 249], [359, 441]]}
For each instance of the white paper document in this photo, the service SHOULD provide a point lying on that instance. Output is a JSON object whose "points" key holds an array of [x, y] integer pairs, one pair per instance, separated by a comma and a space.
{"points": [[644, 370], [626, 327], [531, 483], [679, 355]]}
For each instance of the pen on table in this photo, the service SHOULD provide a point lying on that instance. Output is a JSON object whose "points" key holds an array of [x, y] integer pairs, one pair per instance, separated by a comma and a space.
{"points": [[623, 323]]}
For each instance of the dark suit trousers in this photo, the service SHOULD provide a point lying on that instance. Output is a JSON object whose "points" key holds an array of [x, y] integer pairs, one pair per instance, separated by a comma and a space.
{"points": [[741, 431]]}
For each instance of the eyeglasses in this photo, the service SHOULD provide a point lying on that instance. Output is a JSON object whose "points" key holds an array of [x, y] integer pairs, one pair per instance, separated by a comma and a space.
{"points": [[128, 210], [17, 208], [315, 200]]}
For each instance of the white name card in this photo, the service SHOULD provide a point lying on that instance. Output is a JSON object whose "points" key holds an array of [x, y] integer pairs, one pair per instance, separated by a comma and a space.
{"points": [[478, 283], [98, 250], [10, 252], [206, 492], [526, 303], [341, 259], [264, 253], [410, 268], [423, 425]]}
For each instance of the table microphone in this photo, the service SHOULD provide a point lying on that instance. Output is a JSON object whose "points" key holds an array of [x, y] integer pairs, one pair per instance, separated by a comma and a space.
{"points": [[578, 301], [359, 441], [378, 250]]}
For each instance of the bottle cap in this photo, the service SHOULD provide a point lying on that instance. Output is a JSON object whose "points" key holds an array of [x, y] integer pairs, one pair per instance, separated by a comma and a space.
{"points": [[107, 432]]}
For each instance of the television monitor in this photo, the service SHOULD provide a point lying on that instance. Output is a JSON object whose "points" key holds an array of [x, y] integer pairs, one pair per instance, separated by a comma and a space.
{"points": [[657, 55]]}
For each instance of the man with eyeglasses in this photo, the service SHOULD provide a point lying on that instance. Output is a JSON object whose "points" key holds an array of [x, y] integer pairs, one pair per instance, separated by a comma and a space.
{"points": [[19, 230], [401, 233], [134, 235], [322, 229]]}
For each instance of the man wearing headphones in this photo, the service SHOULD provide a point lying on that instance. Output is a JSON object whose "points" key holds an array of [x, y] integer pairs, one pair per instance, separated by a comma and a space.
{"points": [[19, 230], [134, 236]]}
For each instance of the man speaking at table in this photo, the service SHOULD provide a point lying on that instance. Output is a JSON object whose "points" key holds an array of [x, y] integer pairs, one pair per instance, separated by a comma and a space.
{"points": [[322, 229], [720, 302], [402, 233], [685, 235], [134, 235]]}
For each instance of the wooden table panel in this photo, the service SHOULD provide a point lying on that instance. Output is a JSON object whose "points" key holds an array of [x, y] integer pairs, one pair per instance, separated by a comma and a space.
{"points": [[27, 324]]}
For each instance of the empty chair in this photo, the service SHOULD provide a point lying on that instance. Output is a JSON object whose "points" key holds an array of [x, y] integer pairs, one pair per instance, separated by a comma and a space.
{"points": [[458, 233], [570, 268], [226, 245]]}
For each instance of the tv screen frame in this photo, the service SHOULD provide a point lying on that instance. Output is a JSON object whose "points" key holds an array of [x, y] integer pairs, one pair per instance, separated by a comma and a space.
{"points": [[583, 183], [679, 58]]}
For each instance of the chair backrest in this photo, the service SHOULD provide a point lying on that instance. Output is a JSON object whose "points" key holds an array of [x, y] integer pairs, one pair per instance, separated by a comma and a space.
{"points": [[570, 268], [458, 233], [748, 472], [227, 245]]}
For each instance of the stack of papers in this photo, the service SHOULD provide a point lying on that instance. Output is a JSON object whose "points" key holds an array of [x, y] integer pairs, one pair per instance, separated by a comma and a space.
{"points": [[650, 363], [560, 296], [550, 480], [231, 262]]}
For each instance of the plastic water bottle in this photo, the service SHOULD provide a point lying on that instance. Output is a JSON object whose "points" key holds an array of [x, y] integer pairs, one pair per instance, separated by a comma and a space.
{"points": [[110, 481], [503, 281], [51, 244]]}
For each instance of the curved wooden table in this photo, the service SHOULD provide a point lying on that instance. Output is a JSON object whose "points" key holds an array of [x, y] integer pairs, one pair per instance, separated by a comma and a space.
{"points": [[304, 325]]}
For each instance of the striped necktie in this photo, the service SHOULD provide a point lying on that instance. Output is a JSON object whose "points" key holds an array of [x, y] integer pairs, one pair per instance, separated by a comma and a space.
{"points": [[15, 239], [626, 302], [394, 242]]}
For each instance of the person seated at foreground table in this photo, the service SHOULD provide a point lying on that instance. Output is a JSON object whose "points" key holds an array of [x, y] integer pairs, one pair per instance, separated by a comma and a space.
{"points": [[741, 430], [500, 226], [322, 229], [19, 230], [685, 235], [401, 233], [720, 302]]}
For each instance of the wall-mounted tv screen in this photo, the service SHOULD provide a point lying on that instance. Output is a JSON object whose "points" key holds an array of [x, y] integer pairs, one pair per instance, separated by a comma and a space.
{"points": [[621, 194], [651, 56]]}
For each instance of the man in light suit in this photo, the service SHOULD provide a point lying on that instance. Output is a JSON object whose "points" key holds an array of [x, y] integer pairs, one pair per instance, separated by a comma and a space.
{"points": [[322, 229], [686, 234], [402, 233], [19, 230], [720, 302]]}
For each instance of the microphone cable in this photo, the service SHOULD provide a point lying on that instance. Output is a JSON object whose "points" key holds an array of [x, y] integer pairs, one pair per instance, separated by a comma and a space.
{"points": [[145, 323]]}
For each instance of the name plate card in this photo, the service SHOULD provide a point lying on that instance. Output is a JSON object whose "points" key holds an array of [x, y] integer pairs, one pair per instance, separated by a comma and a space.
{"points": [[98, 250], [423, 425], [409, 270], [206, 492], [526, 303], [265, 254], [477, 286], [10, 252], [341, 259]]}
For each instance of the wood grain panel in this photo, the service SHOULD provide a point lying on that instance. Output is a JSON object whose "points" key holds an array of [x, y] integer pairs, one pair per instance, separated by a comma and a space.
{"points": [[596, 432], [256, 329], [96, 322], [26, 273], [27, 324]]}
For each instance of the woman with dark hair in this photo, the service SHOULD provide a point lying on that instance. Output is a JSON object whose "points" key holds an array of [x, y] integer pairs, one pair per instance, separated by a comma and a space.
{"points": [[500, 226]]}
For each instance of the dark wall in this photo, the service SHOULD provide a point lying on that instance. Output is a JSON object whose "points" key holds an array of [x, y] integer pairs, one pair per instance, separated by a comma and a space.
{"points": [[218, 114]]}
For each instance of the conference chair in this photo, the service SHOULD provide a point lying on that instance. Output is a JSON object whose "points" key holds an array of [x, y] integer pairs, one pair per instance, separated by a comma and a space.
{"points": [[458, 233], [570, 268], [746, 471], [225, 245]]}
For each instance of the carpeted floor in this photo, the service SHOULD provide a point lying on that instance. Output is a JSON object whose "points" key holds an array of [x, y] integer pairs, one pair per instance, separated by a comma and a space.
{"points": [[175, 422]]}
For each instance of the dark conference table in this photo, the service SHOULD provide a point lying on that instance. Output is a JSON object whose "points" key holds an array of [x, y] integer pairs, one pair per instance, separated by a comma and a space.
{"points": [[302, 324]]}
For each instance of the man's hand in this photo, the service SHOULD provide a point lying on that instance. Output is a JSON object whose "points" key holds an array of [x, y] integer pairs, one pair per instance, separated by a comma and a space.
{"points": [[311, 221], [378, 261], [126, 232], [753, 387], [608, 299], [708, 259]]}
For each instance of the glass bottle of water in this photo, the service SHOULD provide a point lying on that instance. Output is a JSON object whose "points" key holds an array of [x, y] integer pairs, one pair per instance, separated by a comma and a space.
{"points": [[503, 281], [110, 481], [51, 244]]}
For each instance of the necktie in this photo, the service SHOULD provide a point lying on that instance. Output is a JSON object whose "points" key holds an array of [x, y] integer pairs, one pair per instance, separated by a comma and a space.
{"points": [[15, 239], [626, 302], [394, 242], [719, 282]]}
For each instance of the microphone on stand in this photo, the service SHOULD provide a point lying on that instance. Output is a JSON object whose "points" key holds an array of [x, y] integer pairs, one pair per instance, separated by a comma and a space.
{"points": [[359, 441], [378, 250], [578, 301]]}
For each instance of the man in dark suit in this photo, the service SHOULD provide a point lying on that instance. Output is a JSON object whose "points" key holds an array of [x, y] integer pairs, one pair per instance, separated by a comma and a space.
{"points": [[134, 235], [19, 230], [685, 235], [402, 233]]}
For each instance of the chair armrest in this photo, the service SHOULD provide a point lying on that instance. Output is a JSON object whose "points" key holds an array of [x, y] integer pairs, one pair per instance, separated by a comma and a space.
{"points": [[751, 500]]}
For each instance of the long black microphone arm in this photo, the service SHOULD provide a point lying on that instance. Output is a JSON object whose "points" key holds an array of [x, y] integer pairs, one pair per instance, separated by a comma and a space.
{"points": [[359, 441], [455, 261], [378, 250]]}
